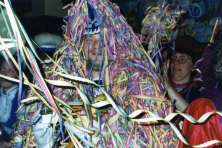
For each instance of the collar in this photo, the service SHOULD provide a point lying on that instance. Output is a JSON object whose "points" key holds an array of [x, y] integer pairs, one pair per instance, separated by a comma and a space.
{"points": [[179, 87], [10, 92]]}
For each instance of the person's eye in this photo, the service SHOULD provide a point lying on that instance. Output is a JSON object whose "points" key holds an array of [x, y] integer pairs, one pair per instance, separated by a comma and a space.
{"points": [[86, 40], [183, 58], [89, 40]]}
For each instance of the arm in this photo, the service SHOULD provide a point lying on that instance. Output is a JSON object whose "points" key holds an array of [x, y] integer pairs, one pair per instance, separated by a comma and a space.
{"points": [[181, 103]]}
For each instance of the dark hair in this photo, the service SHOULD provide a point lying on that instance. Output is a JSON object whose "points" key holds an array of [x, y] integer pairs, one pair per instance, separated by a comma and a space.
{"points": [[15, 56], [169, 50], [186, 51], [190, 47]]}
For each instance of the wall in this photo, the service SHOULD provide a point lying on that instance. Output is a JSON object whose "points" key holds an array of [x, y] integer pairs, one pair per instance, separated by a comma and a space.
{"points": [[46, 7]]}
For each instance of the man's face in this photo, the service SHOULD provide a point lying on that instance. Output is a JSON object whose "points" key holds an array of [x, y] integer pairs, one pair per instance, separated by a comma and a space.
{"points": [[7, 71], [92, 49]]}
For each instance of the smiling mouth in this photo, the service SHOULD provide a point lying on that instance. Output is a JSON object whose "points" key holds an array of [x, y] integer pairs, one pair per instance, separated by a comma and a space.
{"points": [[176, 70]]}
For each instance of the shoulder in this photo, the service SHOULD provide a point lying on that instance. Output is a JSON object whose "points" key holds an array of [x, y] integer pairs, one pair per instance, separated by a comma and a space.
{"points": [[213, 94]]}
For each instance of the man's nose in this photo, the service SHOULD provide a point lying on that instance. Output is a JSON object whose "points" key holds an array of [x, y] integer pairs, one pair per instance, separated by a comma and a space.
{"points": [[97, 43]]}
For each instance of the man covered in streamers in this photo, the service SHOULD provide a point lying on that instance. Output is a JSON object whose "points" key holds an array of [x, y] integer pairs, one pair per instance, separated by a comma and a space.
{"points": [[113, 77], [103, 83]]}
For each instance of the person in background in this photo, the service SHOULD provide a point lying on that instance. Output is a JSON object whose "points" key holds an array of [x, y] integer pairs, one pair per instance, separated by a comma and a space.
{"points": [[181, 66], [9, 90], [209, 100], [194, 100], [8, 102]]}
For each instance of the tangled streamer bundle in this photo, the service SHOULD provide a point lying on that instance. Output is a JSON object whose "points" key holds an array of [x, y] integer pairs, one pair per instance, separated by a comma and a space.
{"points": [[130, 87], [160, 26], [128, 76]]}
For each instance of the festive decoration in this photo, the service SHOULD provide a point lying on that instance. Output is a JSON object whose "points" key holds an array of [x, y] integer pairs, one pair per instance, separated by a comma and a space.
{"points": [[127, 74], [157, 28], [137, 115]]}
